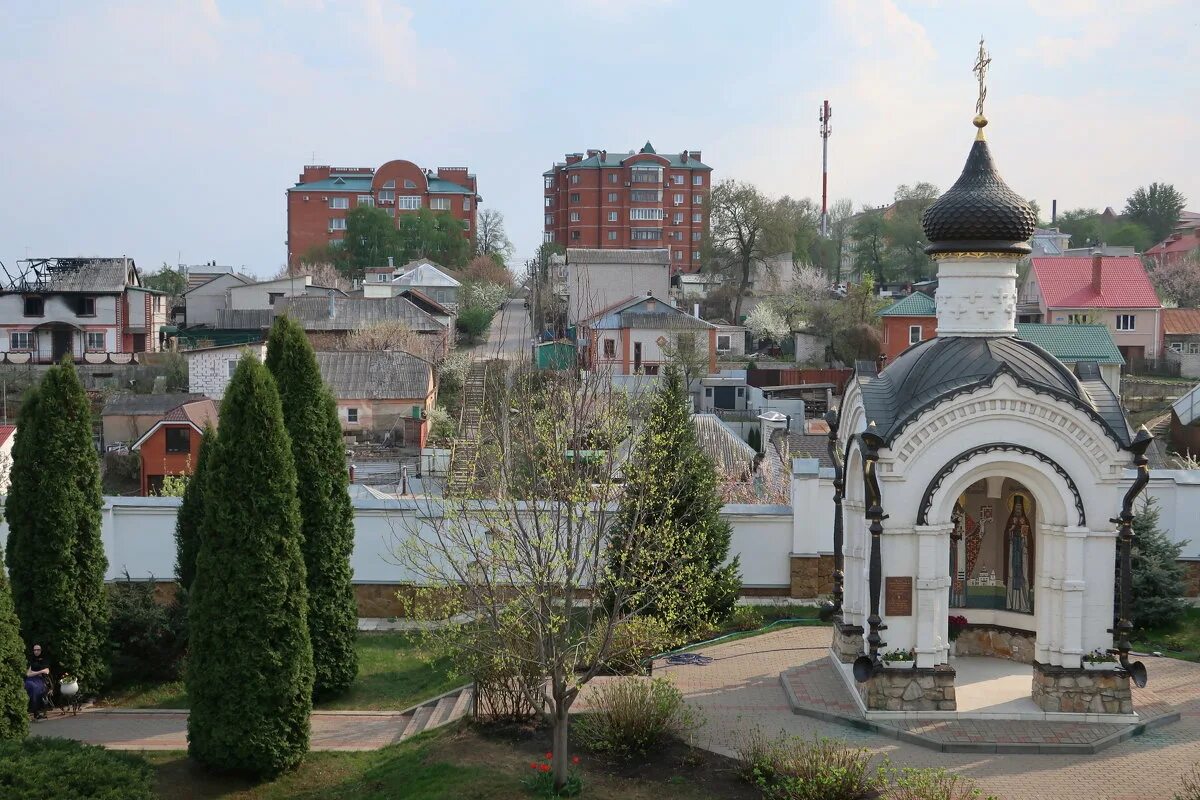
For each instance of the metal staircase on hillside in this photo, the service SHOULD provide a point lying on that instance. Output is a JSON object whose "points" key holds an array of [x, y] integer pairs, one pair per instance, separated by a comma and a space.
{"points": [[436, 712], [465, 450]]}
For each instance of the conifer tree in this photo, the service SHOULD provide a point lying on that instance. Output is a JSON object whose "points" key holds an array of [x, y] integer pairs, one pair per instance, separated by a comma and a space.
{"points": [[1158, 577], [191, 515], [327, 517], [14, 719], [56, 556], [249, 671], [671, 492]]}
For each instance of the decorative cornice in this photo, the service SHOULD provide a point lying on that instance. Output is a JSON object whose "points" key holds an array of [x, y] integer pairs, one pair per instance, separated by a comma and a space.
{"points": [[977, 255]]}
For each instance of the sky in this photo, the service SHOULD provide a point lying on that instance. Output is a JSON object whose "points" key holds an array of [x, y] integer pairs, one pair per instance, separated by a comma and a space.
{"points": [[170, 131]]}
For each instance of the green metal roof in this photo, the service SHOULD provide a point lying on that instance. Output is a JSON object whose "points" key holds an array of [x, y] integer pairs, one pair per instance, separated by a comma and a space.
{"points": [[917, 304], [362, 185], [615, 157], [1070, 343], [446, 187]]}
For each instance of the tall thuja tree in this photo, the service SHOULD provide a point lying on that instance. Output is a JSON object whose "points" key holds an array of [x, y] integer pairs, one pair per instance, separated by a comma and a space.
{"points": [[1158, 576], [671, 492], [249, 671], [56, 556], [327, 517], [191, 515], [14, 720]]}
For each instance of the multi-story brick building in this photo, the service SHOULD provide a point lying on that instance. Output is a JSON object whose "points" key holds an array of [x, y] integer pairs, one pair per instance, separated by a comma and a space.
{"points": [[319, 203], [630, 200]]}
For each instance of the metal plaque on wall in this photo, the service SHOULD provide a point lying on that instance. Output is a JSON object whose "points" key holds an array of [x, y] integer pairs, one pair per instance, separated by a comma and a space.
{"points": [[898, 596]]}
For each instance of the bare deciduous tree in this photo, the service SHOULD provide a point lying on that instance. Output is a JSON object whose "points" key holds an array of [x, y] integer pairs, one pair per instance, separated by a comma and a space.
{"points": [[490, 237]]}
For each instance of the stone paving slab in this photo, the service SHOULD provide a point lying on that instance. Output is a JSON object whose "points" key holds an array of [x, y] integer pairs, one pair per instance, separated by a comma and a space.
{"points": [[167, 730], [741, 691]]}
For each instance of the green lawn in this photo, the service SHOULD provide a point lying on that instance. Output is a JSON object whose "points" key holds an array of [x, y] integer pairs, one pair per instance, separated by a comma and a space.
{"points": [[1177, 641], [393, 674], [456, 763]]}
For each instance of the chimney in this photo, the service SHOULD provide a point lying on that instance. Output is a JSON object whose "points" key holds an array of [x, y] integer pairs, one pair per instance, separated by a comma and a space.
{"points": [[1097, 269], [604, 155], [696, 310], [332, 306], [1053, 212], [390, 264]]}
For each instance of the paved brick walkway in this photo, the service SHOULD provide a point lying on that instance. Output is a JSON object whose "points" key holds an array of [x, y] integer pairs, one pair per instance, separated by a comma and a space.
{"points": [[741, 690], [167, 730]]}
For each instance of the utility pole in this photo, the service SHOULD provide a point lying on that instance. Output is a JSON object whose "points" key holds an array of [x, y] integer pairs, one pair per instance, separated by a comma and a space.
{"points": [[824, 120]]}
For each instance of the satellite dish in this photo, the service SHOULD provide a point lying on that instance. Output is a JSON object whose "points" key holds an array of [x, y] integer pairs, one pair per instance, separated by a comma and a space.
{"points": [[863, 667]]}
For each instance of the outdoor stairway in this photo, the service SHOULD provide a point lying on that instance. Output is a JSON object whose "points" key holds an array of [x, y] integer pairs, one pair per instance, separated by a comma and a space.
{"points": [[436, 712], [466, 444]]}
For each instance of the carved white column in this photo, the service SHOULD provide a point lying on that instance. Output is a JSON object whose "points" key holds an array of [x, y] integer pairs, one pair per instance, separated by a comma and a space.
{"points": [[933, 593], [977, 296], [1074, 584]]}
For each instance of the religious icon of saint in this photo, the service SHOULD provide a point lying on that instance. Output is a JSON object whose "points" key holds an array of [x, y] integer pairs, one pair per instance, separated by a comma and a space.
{"points": [[958, 575], [1018, 541]]}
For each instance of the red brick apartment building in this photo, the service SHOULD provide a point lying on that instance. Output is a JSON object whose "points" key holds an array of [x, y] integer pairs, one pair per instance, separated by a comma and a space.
{"points": [[319, 202], [630, 200]]}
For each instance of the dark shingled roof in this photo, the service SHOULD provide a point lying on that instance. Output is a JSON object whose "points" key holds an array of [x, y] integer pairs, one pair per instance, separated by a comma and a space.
{"points": [[355, 313], [979, 213], [101, 275], [584, 255], [939, 369], [374, 374], [801, 444], [253, 319], [147, 404]]}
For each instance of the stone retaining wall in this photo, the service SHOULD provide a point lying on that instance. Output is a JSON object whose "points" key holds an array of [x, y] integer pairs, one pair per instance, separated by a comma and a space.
{"points": [[1081, 692], [847, 642], [812, 576], [996, 642], [910, 690]]}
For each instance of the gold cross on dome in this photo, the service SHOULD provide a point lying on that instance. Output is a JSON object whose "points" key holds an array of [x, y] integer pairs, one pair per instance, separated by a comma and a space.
{"points": [[981, 66]]}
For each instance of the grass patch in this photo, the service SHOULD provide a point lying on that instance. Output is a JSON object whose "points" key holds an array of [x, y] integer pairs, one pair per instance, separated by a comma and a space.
{"points": [[1181, 640], [456, 763], [394, 672]]}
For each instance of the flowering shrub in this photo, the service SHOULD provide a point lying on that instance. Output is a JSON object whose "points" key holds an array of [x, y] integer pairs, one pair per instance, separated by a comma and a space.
{"points": [[1099, 657], [541, 781], [957, 624], [633, 716], [791, 768], [900, 655], [932, 784]]}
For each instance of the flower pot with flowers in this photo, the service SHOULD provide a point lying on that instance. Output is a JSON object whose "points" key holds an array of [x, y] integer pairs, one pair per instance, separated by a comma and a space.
{"points": [[541, 780], [1099, 661], [900, 659], [955, 626]]}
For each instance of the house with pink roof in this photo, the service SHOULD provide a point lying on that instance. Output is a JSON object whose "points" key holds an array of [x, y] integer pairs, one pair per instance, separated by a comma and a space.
{"points": [[1114, 291], [7, 437]]}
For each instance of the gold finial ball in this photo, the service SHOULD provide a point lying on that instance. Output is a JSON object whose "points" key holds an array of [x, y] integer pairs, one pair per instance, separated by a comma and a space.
{"points": [[980, 121]]}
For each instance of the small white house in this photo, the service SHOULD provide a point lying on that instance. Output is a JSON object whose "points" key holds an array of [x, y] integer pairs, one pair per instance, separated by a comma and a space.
{"points": [[210, 368]]}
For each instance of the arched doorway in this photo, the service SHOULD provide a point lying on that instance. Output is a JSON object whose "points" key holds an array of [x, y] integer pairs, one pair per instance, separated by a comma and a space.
{"points": [[993, 547]]}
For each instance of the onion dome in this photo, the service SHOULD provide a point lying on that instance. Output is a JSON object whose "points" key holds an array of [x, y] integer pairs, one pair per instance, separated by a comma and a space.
{"points": [[979, 213]]}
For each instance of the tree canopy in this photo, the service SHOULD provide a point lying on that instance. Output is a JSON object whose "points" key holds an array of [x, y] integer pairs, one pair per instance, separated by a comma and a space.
{"points": [[490, 236], [1156, 207], [372, 236], [1088, 227], [166, 279]]}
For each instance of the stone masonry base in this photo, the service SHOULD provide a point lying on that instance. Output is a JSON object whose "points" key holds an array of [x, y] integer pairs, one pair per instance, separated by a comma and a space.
{"points": [[996, 642], [811, 576], [847, 642], [910, 690], [1081, 691]]}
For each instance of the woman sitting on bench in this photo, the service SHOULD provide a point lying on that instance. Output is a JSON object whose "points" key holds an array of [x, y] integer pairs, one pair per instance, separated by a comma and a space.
{"points": [[37, 682]]}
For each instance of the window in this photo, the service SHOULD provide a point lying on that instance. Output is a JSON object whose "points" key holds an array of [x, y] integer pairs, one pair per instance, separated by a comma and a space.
{"points": [[549, 219], [409, 202], [741, 391], [612, 236], [612, 216], [466, 204], [695, 255], [695, 236], [697, 180], [613, 177], [548, 236], [650, 369], [708, 391], [1125, 322], [574, 197], [408, 184], [390, 211], [273, 296], [914, 334], [677, 235], [365, 200], [231, 366], [612, 197], [387, 196], [390, 185], [646, 234], [678, 199], [610, 348], [575, 178], [677, 219], [697, 219], [466, 224], [679, 255], [35, 306], [646, 195], [352, 415], [549, 202], [337, 224], [22, 340], [697, 199], [439, 203], [179, 440], [339, 202], [646, 174], [637, 214], [95, 340], [549, 182], [722, 343], [574, 216], [677, 180], [1080, 319], [87, 306], [575, 235]]}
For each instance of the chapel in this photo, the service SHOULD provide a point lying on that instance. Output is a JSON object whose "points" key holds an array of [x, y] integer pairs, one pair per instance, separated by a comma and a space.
{"points": [[980, 479]]}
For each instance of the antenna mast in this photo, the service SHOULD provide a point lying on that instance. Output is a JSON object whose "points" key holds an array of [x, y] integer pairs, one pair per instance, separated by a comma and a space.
{"points": [[824, 120]]}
